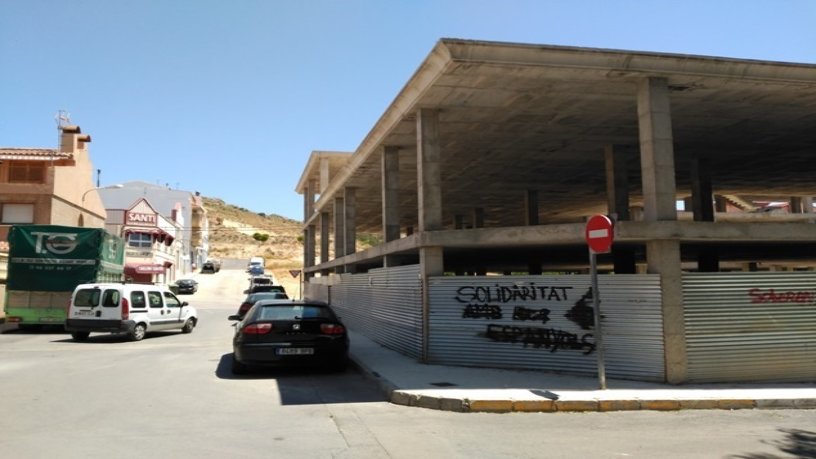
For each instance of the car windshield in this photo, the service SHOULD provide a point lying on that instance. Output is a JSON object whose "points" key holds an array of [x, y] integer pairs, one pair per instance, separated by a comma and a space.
{"points": [[294, 312]]}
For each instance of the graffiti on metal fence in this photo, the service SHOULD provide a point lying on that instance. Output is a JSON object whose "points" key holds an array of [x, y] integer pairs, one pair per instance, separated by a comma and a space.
{"points": [[547, 338]]}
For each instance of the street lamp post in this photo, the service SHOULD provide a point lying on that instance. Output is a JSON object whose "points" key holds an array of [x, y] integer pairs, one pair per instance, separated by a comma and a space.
{"points": [[82, 201]]}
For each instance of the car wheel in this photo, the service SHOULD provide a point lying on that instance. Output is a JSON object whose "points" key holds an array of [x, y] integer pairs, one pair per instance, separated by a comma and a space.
{"points": [[137, 333], [188, 326], [80, 336], [237, 367]]}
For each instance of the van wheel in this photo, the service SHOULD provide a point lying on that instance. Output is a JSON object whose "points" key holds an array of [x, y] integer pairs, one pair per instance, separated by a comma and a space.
{"points": [[138, 332], [188, 326], [80, 336]]}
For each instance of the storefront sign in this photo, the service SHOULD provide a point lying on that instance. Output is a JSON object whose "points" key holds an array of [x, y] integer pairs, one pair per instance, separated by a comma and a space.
{"points": [[140, 219]]}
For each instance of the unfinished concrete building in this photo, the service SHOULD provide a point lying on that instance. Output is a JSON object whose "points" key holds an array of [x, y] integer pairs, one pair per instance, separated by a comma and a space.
{"points": [[478, 179]]}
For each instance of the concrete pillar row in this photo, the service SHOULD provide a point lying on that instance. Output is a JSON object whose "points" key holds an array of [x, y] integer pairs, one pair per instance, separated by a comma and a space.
{"points": [[659, 192], [531, 207], [309, 247], [324, 237], [339, 228], [350, 227], [702, 191], [308, 200], [429, 173], [324, 175], [617, 191], [390, 193], [431, 263]]}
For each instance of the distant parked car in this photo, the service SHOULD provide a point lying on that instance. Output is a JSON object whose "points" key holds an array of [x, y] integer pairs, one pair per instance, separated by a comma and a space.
{"points": [[186, 286], [283, 333], [253, 298], [208, 267]]}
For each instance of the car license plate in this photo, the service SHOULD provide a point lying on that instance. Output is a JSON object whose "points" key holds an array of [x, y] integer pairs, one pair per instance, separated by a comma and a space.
{"points": [[296, 351], [84, 313]]}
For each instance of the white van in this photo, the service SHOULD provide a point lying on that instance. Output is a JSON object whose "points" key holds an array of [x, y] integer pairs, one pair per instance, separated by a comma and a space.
{"points": [[134, 309]]}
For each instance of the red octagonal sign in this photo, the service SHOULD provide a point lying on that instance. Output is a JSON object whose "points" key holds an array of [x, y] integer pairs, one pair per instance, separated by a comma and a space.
{"points": [[599, 233]]}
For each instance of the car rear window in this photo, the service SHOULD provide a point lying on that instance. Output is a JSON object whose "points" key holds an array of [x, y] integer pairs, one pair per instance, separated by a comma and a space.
{"points": [[87, 297], [294, 312]]}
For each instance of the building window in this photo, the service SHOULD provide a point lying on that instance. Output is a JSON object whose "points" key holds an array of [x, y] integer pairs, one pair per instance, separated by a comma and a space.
{"points": [[27, 172], [140, 240], [17, 213]]}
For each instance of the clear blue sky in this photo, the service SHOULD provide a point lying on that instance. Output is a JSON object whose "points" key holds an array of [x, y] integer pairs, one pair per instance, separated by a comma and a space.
{"points": [[229, 98]]}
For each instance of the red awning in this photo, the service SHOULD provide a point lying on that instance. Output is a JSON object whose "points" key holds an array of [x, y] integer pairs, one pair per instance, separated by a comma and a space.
{"points": [[144, 268]]}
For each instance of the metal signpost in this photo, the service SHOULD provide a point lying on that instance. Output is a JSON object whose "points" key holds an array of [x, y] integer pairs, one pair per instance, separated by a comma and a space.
{"points": [[296, 273], [599, 237]]}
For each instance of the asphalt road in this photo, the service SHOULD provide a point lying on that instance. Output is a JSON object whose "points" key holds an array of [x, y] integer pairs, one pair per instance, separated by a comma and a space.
{"points": [[172, 395]]}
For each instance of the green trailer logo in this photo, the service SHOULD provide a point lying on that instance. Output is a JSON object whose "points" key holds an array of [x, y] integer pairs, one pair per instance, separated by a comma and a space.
{"points": [[56, 243]]}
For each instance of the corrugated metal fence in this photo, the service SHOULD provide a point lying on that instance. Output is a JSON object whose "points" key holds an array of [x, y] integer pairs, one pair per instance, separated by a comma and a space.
{"points": [[383, 304], [546, 322], [750, 326]]}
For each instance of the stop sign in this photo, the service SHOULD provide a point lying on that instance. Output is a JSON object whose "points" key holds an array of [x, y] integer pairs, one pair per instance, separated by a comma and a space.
{"points": [[599, 233]]}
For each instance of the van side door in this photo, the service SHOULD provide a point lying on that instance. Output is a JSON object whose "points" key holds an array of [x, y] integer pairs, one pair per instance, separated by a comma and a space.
{"points": [[174, 307], [160, 316]]}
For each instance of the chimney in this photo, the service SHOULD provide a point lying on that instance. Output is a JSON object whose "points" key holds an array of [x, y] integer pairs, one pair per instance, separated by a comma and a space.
{"points": [[72, 139]]}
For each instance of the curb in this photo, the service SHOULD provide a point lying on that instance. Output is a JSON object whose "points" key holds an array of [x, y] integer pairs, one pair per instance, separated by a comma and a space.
{"points": [[465, 405], [400, 397]]}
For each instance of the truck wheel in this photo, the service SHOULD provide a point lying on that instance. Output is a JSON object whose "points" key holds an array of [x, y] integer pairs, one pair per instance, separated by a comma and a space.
{"points": [[80, 336], [188, 326], [138, 332]]}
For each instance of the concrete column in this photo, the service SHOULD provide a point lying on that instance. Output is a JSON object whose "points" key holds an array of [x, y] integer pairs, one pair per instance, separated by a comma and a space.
{"points": [[617, 195], [309, 248], [795, 205], [429, 173], [663, 257], [390, 194], [702, 204], [656, 150], [478, 217], [617, 183], [339, 228], [478, 222], [350, 198], [308, 201], [324, 175], [659, 191], [458, 221], [702, 195], [431, 263], [324, 237], [531, 208], [807, 204], [720, 204]]}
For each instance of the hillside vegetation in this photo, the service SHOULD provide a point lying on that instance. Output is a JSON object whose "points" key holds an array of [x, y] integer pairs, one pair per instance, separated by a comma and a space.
{"points": [[236, 232]]}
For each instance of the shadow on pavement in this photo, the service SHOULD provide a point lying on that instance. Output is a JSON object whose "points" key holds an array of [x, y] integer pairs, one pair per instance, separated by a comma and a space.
{"points": [[308, 386]]}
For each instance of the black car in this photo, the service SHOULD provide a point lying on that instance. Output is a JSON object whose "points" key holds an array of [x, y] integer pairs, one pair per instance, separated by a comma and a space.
{"points": [[186, 286], [289, 333]]}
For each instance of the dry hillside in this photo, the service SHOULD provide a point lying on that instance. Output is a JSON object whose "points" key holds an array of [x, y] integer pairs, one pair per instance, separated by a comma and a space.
{"points": [[231, 236]]}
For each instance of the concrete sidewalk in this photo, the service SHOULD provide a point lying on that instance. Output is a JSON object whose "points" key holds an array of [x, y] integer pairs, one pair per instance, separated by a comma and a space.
{"points": [[408, 382]]}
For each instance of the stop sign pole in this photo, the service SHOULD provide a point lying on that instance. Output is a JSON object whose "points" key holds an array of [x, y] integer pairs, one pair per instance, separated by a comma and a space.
{"points": [[599, 237]]}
